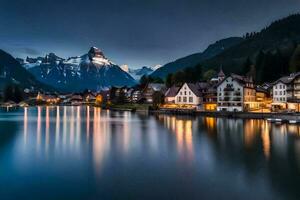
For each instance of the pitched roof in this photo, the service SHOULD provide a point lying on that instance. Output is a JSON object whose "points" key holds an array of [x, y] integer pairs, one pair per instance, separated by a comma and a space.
{"points": [[287, 79], [195, 89], [172, 91]]}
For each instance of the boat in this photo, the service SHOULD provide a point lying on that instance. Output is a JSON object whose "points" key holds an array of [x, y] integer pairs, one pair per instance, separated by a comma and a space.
{"points": [[270, 120], [293, 121], [278, 121]]}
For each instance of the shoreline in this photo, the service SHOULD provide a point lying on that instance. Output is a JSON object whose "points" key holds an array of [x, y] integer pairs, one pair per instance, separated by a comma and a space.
{"points": [[234, 115], [237, 115]]}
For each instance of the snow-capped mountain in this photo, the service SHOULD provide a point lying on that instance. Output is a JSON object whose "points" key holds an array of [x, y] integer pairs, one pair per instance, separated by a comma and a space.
{"points": [[138, 73], [90, 71]]}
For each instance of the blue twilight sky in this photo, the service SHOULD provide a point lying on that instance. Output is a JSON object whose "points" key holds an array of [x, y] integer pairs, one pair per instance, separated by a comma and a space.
{"points": [[133, 32]]}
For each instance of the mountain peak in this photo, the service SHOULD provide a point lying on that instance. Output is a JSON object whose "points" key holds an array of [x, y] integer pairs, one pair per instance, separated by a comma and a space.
{"points": [[97, 57], [95, 52]]}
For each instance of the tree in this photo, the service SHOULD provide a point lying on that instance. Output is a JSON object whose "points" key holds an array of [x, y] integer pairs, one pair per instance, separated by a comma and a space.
{"points": [[294, 64], [12, 92], [158, 99], [247, 66], [179, 78], [170, 80], [209, 74], [144, 80]]}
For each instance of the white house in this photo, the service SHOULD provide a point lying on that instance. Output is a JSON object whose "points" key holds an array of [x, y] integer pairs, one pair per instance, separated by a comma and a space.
{"points": [[189, 94], [236, 93], [279, 94], [286, 92]]}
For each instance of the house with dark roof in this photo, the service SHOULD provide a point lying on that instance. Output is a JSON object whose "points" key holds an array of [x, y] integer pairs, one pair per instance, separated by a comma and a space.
{"points": [[191, 95], [286, 93], [236, 93], [171, 94]]}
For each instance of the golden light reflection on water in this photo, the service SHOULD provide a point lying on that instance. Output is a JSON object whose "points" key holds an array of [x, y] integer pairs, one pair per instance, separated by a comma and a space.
{"points": [[60, 128], [183, 130], [87, 123], [47, 128], [25, 125], [101, 140], [265, 136], [39, 124], [57, 126], [210, 123]]}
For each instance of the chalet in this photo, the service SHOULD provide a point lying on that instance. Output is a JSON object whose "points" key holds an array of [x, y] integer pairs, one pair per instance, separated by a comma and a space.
{"points": [[191, 95], [286, 93], [236, 93], [279, 92]]}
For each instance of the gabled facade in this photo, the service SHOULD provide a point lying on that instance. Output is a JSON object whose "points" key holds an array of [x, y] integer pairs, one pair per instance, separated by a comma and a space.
{"points": [[189, 94], [236, 93], [286, 92]]}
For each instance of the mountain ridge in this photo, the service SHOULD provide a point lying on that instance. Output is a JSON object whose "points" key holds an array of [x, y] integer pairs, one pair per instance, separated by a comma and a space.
{"points": [[193, 59], [91, 71]]}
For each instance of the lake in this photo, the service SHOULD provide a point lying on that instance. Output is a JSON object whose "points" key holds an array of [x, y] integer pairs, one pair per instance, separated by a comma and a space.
{"points": [[89, 153]]}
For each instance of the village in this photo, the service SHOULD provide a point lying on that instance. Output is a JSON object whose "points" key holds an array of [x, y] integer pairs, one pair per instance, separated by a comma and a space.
{"points": [[233, 93]]}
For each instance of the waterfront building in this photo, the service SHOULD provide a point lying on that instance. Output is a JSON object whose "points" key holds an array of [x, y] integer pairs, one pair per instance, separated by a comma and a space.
{"points": [[189, 95], [263, 98], [286, 93], [236, 93], [279, 92], [210, 98]]}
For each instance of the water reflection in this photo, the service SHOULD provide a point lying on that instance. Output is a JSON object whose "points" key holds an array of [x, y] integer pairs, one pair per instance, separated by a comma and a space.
{"points": [[183, 130], [118, 151]]}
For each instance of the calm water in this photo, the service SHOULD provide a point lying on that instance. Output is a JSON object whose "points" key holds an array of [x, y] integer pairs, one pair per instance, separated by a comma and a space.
{"points": [[89, 153]]}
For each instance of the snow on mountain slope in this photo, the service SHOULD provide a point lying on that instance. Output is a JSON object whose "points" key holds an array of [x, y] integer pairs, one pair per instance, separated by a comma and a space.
{"points": [[90, 71]]}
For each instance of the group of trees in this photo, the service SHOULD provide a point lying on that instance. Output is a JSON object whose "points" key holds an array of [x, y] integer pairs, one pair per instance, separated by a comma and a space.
{"points": [[190, 74], [12, 92], [271, 65], [145, 79]]}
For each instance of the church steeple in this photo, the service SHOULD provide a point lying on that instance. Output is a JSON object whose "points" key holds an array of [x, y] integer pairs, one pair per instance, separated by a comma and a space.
{"points": [[221, 74]]}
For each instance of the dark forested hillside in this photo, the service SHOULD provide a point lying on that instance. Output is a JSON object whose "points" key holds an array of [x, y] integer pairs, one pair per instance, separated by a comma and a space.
{"points": [[265, 55], [273, 52], [194, 59], [12, 72]]}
